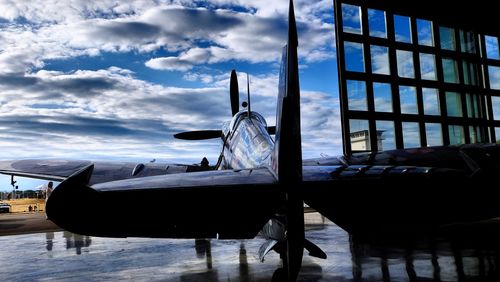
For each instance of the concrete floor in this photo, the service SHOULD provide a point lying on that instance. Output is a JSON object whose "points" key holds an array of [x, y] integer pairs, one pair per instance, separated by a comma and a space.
{"points": [[69, 257]]}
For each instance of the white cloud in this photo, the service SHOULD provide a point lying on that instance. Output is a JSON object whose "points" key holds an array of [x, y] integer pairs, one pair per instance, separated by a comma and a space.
{"points": [[169, 63], [111, 112], [58, 30]]}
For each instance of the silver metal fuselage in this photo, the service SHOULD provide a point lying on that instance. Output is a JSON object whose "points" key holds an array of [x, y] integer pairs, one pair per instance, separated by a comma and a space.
{"points": [[246, 142]]}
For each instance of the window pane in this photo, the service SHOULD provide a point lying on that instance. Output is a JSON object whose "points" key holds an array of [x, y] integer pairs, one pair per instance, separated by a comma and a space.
{"points": [[434, 134], [376, 23], [431, 101], [470, 73], [456, 134], [497, 133], [402, 28], [380, 59], [450, 70], [472, 105], [360, 135], [354, 60], [495, 103], [351, 18], [492, 47], [427, 66], [424, 29], [467, 41], [411, 135], [453, 104], [382, 95], [385, 133], [405, 64], [475, 134], [494, 75], [408, 99], [356, 95], [447, 38]]}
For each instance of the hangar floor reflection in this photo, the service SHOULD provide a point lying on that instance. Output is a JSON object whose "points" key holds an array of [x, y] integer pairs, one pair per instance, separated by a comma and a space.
{"points": [[71, 257]]}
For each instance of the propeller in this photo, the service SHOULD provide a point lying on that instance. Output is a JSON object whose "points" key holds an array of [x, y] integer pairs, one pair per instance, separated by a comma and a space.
{"points": [[234, 93], [199, 135]]}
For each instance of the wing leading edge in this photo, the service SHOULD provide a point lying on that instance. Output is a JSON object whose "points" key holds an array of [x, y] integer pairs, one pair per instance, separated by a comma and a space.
{"points": [[59, 170]]}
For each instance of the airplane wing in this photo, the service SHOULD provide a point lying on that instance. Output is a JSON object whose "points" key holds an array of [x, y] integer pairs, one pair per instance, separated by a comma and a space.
{"points": [[58, 170], [211, 204]]}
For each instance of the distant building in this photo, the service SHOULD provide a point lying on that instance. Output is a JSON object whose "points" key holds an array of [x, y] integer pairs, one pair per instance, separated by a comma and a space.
{"points": [[360, 140]]}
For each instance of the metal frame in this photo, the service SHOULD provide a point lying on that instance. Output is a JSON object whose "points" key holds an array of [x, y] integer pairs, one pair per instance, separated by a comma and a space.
{"points": [[485, 123]]}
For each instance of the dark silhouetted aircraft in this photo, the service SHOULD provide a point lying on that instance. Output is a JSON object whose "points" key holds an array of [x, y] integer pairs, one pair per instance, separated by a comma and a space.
{"points": [[261, 184]]}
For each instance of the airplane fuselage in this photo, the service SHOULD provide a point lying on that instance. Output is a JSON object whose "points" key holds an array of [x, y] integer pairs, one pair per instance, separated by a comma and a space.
{"points": [[247, 143]]}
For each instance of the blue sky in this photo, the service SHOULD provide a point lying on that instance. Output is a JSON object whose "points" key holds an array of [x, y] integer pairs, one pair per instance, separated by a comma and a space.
{"points": [[114, 81]]}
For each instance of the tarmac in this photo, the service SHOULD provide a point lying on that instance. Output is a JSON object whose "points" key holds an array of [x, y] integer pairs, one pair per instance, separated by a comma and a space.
{"points": [[25, 223], [44, 253]]}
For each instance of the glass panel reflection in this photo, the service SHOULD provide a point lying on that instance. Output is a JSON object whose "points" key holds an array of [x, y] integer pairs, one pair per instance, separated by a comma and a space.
{"points": [[492, 51], [405, 64], [380, 59], [434, 134], [427, 66], [447, 36], [402, 29], [354, 60], [467, 41], [495, 103], [385, 135], [470, 73], [431, 101], [351, 18], [497, 134], [408, 99], [475, 134], [382, 95], [376, 23], [472, 101], [356, 95], [450, 70], [457, 135], [453, 104], [411, 135], [494, 75], [424, 32], [360, 135]]}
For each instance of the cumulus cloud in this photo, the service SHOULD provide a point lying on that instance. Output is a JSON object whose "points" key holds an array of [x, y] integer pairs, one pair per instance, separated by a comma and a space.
{"points": [[57, 31], [110, 111], [113, 107]]}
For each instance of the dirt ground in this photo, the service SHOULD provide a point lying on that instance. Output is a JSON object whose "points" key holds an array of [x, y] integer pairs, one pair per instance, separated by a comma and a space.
{"points": [[22, 205]]}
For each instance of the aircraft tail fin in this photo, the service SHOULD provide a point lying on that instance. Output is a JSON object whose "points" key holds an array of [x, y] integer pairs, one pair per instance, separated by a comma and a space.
{"points": [[286, 160]]}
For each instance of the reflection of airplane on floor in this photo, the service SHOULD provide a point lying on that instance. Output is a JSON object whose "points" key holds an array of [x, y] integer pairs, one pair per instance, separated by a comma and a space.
{"points": [[261, 184]]}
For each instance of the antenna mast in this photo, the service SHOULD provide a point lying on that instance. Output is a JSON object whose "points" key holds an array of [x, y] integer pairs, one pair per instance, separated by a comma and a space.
{"points": [[248, 93]]}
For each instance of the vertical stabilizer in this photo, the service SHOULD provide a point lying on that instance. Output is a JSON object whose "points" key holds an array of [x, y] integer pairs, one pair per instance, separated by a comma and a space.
{"points": [[287, 156]]}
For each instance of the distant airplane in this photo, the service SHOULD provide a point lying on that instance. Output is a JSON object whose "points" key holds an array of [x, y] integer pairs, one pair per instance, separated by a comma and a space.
{"points": [[261, 184]]}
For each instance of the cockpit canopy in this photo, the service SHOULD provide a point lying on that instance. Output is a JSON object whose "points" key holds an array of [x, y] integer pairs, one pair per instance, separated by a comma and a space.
{"points": [[233, 124]]}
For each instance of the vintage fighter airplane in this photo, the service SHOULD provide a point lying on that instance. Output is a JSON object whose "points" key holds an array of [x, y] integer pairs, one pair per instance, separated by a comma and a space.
{"points": [[261, 184]]}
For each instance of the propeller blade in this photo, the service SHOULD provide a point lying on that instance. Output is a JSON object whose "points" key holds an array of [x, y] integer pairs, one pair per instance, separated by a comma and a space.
{"points": [[199, 135], [234, 93]]}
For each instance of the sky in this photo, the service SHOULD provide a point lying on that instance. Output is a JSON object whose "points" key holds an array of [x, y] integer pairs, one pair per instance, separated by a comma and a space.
{"points": [[107, 80]]}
